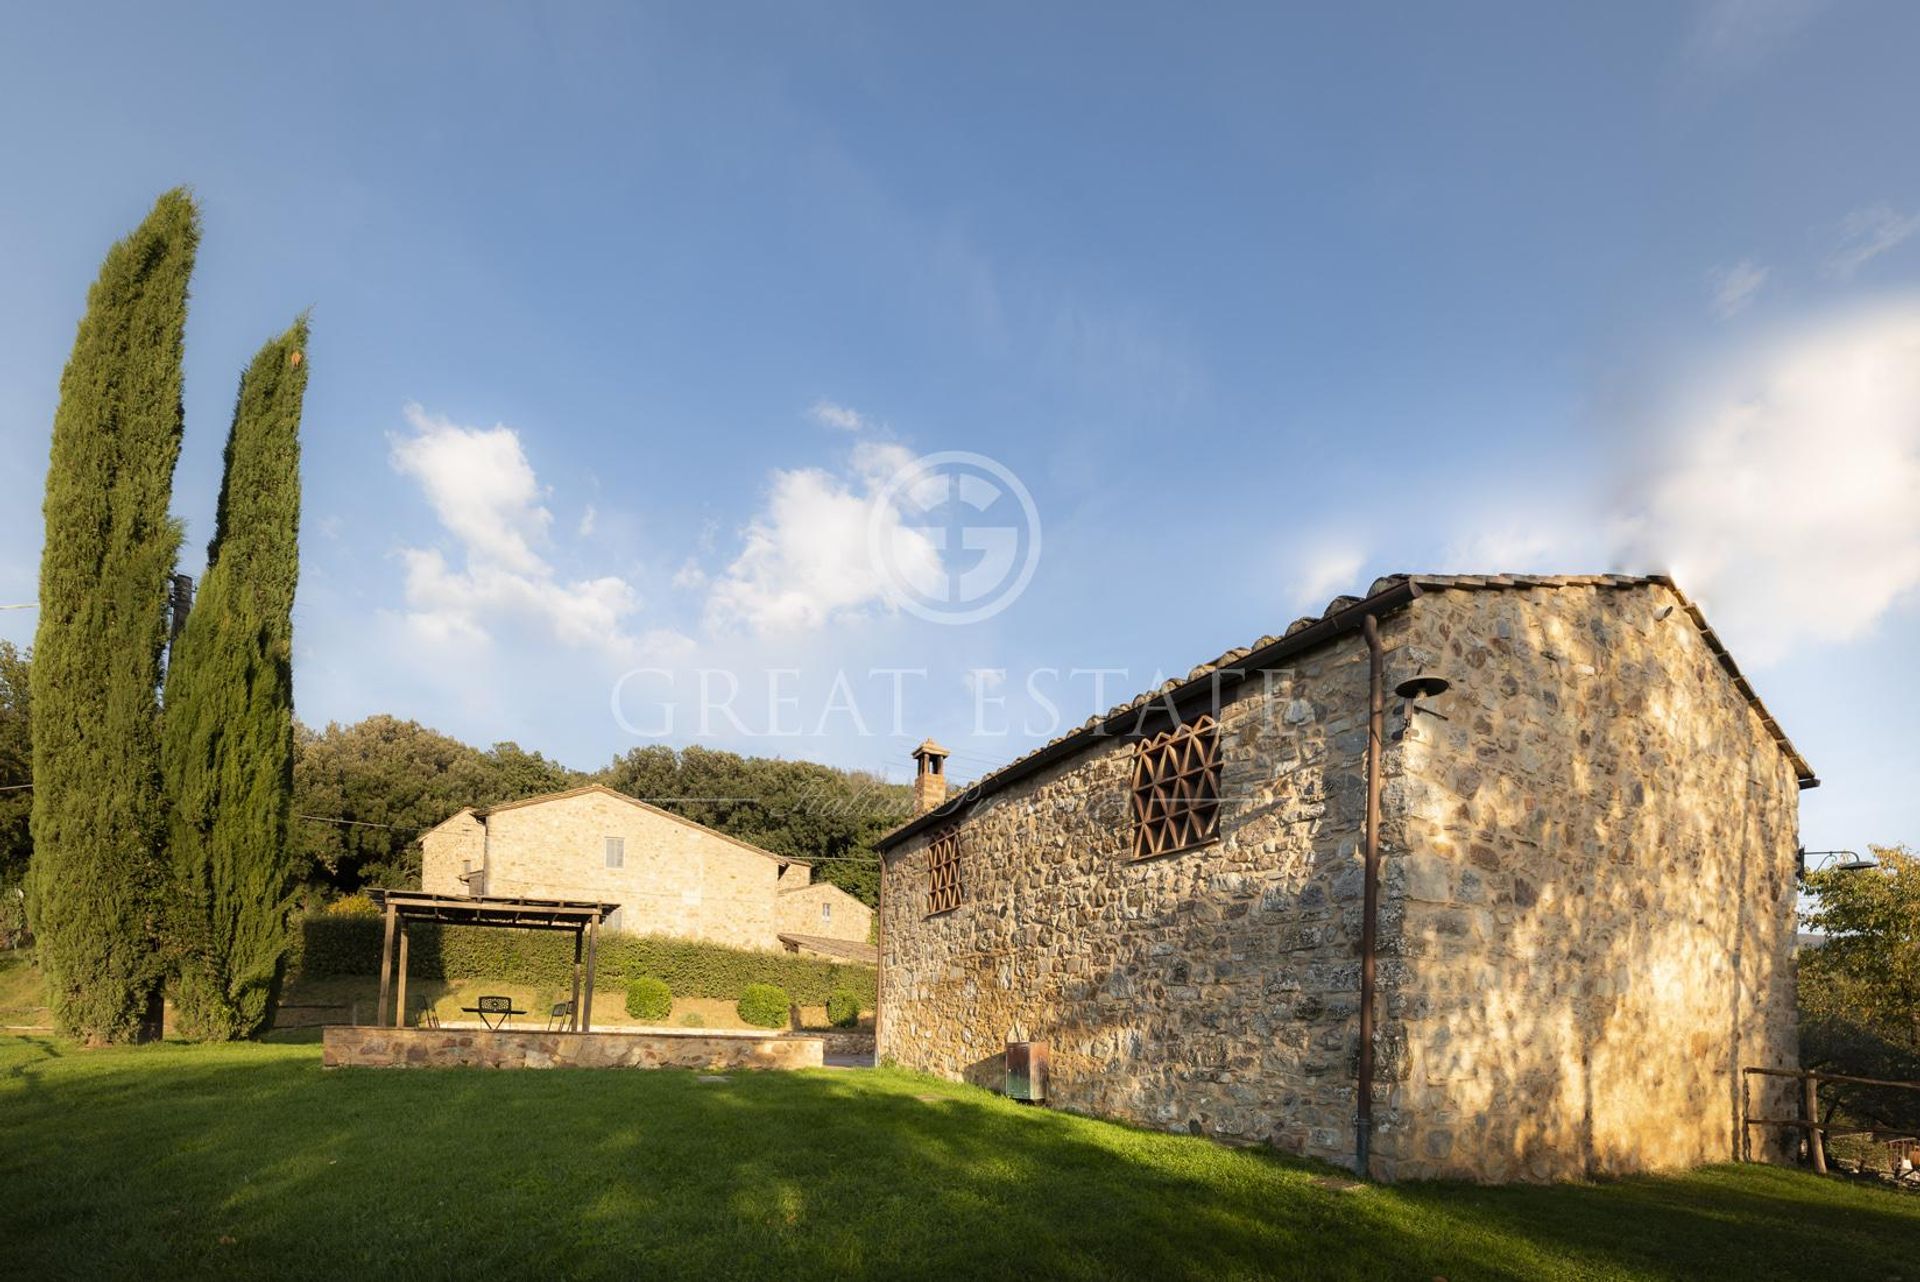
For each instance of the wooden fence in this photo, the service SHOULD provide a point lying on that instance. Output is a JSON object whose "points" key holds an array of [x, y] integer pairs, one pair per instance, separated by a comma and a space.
{"points": [[1808, 1122]]}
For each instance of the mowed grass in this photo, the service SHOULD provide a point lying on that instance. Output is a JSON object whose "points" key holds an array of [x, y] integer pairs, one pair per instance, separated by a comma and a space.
{"points": [[23, 991], [253, 1161]]}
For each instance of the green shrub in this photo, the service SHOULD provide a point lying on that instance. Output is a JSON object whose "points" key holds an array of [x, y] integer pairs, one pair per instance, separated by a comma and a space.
{"points": [[350, 945], [763, 1005], [649, 999], [692, 1020], [843, 1008], [354, 905]]}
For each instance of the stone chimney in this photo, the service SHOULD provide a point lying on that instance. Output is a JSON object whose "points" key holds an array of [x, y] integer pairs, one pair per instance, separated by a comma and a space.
{"points": [[929, 777]]}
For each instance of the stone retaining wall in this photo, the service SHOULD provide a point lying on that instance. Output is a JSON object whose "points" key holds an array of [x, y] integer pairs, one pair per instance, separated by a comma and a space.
{"points": [[366, 1047], [848, 1043]]}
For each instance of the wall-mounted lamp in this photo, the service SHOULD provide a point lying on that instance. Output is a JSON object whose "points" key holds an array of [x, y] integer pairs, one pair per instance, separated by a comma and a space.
{"points": [[1837, 860], [1423, 686]]}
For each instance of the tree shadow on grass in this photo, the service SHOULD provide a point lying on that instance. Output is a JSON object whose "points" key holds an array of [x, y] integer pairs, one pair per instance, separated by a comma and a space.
{"points": [[1724, 1221], [248, 1161]]}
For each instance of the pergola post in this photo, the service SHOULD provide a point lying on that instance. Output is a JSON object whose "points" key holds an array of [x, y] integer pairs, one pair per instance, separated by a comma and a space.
{"points": [[400, 1002], [404, 908], [586, 1008], [386, 968], [573, 1018]]}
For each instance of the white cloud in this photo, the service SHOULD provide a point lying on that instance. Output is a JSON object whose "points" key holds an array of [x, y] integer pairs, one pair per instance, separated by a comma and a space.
{"points": [[484, 492], [1783, 498], [690, 575], [587, 519], [480, 485], [1530, 540], [839, 417], [807, 557], [979, 681], [1734, 287], [1327, 573], [1865, 234]]}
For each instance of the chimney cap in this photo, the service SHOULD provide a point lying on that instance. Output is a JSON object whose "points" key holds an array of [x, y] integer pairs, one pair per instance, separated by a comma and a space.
{"points": [[928, 748]]}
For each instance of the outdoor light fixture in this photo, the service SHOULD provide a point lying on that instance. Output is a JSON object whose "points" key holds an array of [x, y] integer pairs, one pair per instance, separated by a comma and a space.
{"points": [[1841, 860], [1424, 686]]}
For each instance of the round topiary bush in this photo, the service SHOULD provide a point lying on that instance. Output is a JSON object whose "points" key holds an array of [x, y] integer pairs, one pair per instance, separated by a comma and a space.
{"points": [[843, 1008], [649, 999], [763, 1005]]}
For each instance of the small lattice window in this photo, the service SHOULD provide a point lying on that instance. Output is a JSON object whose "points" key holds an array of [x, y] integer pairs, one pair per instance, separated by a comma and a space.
{"points": [[1176, 789], [943, 872]]}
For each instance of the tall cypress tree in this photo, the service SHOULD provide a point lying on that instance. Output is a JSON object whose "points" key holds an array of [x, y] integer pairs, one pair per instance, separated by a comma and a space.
{"points": [[228, 737], [98, 811]]}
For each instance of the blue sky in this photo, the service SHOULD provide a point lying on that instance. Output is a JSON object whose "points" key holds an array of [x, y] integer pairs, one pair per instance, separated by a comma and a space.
{"points": [[621, 321]]}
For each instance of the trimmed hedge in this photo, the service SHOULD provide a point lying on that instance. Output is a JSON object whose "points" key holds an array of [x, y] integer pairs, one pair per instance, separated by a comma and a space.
{"points": [[764, 1006], [350, 945], [843, 1008], [649, 999]]}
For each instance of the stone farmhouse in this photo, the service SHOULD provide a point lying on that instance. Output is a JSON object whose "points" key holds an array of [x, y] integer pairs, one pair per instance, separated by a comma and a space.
{"points": [[670, 876], [1483, 877]]}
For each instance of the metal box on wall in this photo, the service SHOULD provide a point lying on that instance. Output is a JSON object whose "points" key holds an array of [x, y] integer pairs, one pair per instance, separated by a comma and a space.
{"points": [[1027, 1071]]}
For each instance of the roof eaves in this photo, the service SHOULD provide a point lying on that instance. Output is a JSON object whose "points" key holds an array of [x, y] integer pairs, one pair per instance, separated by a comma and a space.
{"points": [[604, 790], [1343, 614]]}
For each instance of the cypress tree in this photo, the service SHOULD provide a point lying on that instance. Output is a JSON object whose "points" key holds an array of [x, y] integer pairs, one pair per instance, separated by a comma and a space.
{"points": [[228, 738], [98, 811]]}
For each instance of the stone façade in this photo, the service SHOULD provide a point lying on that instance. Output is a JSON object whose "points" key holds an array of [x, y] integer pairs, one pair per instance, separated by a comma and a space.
{"points": [[676, 877], [1585, 929]]}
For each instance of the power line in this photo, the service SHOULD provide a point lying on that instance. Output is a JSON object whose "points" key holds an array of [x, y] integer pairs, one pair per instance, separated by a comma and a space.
{"points": [[351, 823], [14, 787]]}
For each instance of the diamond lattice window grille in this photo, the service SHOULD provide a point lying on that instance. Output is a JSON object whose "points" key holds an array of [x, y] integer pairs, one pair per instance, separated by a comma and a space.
{"points": [[1176, 789], [943, 872]]}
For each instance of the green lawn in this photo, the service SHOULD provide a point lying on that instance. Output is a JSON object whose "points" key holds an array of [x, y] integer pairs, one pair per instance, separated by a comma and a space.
{"points": [[251, 1161]]}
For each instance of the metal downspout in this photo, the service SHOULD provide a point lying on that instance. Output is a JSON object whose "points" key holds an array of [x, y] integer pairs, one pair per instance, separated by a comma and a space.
{"points": [[1370, 895]]}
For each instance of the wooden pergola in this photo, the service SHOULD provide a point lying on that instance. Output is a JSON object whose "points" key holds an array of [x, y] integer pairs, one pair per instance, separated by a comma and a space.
{"points": [[581, 916]]}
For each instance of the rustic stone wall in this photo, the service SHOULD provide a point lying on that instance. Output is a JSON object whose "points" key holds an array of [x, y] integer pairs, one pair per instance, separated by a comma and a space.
{"points": [[448, 850], [1598, 892], [797, 911], [675, 879], [1214, 990], [1586, 923], [346, 1046]]}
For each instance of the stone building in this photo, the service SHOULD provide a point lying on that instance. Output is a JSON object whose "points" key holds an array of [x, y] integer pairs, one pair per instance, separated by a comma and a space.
{"points": [[1537, 835], [670, 876]]}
